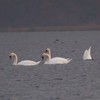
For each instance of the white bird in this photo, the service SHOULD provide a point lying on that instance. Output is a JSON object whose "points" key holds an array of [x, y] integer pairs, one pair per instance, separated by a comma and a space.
{"points": [[56, 60], [14, 59], [87, 54]]}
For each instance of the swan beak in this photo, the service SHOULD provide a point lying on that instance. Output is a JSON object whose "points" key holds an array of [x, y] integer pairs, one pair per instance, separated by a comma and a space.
{"points": [[9, 57], [42, 58], [46, 51]]}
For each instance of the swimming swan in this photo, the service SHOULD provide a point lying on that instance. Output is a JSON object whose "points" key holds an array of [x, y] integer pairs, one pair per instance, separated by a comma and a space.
{"points": [[14, 59], [87, 54], [56, 60]]}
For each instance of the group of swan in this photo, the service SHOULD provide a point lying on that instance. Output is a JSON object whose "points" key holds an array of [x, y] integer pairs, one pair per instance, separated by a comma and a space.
{"points": [[46, 56], [47, 59]]}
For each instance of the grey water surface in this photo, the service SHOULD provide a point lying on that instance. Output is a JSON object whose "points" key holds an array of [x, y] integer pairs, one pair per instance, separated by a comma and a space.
{"points": [[78, 80]]}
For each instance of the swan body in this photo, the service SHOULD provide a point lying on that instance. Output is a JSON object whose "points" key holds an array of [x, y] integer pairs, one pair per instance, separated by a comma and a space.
{"points": [[87, 54], [28, 63], [55, 60], [14, 59]]}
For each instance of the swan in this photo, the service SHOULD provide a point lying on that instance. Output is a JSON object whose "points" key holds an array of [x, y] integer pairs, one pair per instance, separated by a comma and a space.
{"points": [[87, 54], [56, 60], [14, 59]]}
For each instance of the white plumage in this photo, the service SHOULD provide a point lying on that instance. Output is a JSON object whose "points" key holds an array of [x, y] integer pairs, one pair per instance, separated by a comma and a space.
{"points": [[87, 54], [14, 59]]}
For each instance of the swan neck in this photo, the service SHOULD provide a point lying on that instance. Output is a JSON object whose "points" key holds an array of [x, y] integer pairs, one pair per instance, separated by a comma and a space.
{"points": [[48, 58], [50, 55], [15, 60]]}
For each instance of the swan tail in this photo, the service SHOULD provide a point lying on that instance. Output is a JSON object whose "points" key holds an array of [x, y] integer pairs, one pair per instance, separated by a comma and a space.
{"points": [[68, 60], [87, 54]]}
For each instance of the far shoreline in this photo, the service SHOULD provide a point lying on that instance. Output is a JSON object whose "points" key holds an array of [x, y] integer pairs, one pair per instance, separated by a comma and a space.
{"points": [[93, 27]]}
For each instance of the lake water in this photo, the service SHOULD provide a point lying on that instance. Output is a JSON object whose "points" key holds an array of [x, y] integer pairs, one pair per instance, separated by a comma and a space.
{"points": [[78, 80]]}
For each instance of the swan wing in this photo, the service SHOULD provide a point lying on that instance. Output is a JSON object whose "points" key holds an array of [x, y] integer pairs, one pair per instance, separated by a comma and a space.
{"points": [[59, 60]]}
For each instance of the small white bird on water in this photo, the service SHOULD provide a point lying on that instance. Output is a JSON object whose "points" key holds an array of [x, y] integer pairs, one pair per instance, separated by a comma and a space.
{"points": [[14, 59], [56, 60], [87, 54]]}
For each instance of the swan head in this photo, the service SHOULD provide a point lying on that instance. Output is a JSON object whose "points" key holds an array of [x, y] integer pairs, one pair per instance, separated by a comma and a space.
{"points": [[13, 58], [45, 57], [12, 55], [48, 51]]}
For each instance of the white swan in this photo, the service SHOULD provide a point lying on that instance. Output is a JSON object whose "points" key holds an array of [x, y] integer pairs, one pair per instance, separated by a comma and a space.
{"points": [[87, 54], [14, 59], [56, 60]]}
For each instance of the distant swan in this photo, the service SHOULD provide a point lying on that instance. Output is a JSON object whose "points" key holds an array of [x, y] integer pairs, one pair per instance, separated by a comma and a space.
{"points": [[56, 60], [14, 59], [87, 54]]}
